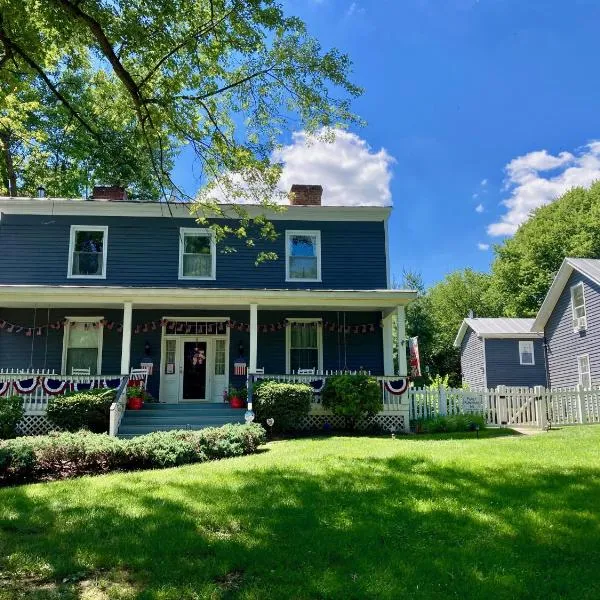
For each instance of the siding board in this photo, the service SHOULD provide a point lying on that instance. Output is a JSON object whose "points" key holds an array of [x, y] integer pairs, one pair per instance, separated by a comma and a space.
{"points": [[504, 368], [471, 360]]}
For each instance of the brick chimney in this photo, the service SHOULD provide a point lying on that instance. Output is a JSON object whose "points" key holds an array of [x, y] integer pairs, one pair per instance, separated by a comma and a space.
{"points": [[113, 193], [306, 195]]}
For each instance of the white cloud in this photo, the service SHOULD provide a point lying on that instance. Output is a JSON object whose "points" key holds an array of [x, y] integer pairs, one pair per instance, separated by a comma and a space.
{"points": [[350, 171], [475, 196], [484, 182], [479, 208], [483, 247], [538, 178]]}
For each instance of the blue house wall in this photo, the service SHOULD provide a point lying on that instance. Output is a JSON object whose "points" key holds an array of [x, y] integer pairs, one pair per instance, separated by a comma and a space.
{"points": [[564, 344], [503, 364], [144, 251], [350, 351]]}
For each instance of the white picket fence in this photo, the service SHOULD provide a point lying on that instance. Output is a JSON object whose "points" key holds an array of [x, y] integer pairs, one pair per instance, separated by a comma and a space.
{"points": [[537, 407]]}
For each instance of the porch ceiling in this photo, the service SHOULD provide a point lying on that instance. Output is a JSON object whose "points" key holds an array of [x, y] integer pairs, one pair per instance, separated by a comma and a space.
{"points": [[13, 296]]}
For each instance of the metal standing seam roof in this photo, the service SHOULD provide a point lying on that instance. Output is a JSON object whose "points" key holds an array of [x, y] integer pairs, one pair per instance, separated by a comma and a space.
{"points": [[502, 325], [588, 266]]}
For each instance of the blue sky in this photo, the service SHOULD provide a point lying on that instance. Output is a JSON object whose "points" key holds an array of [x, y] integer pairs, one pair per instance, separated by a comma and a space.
{"points": [[477, 102]]}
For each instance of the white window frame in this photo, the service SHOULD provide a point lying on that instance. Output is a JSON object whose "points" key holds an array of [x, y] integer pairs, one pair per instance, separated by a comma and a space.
{"points": [[522, 345], [183, 231], [67, 333], [288, 340], [317, 235], [74, 230], [580, 372], [575, 317]]}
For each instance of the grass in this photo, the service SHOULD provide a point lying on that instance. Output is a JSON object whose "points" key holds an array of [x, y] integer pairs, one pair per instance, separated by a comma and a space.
{"points": [[357, 517]]}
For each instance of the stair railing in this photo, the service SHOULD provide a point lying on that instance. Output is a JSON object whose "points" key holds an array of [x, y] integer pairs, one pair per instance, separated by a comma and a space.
{"points": [[117, 408]]}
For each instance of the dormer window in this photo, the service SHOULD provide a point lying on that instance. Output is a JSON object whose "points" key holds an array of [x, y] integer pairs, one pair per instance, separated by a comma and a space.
{"points": [[303, 256], [578, 307], [197, 254], [87, 252]]}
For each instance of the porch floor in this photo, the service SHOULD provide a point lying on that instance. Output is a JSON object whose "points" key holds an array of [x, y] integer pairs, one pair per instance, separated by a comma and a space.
{"points": [[166, 417]]}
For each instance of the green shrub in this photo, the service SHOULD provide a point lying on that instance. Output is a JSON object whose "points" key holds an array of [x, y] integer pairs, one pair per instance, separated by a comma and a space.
{"points": [[354, 397], [60, 455], [449, 424], [286, 403], [11, 412], [81, 410]]}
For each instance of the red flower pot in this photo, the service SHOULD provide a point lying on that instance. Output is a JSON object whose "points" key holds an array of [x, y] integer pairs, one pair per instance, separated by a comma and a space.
{"points": [[135, 403], [236, 402]]}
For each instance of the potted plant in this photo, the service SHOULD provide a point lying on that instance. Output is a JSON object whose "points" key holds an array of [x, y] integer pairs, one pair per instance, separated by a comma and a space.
{"points": [[135, 397], [237, 397]]}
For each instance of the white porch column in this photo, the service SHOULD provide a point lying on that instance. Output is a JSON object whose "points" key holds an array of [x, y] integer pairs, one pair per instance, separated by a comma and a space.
{"points": [[126, 340], [388, 343], [401, 341], [253, 337]]}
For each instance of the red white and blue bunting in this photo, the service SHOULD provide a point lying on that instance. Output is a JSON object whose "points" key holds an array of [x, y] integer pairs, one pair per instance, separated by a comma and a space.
{"points": [[54, 386], [317, 386], [26, 386], [4, 385], [396, 387]]}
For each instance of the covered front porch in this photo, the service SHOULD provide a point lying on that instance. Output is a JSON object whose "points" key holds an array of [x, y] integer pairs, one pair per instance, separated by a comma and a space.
{"points": [[198, 343]]}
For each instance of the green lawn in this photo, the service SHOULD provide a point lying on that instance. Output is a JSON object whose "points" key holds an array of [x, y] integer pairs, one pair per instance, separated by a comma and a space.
{"points": [[497, 517]]}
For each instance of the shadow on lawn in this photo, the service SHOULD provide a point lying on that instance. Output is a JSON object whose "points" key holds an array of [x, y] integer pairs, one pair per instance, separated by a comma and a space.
{"points": [[371, 528]]}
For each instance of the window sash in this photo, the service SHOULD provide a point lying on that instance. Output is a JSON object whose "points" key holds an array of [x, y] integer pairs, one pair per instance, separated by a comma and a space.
{"points": [[196, 254], [87, 251], [526, 353], [583, 368], [578, 301], [303, 256], [83, 346], [305, 345], [219, 357]]}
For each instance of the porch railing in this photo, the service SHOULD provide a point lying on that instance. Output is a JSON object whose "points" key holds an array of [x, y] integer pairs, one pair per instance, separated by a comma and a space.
{"points": [[391, 401], [35, 401]]}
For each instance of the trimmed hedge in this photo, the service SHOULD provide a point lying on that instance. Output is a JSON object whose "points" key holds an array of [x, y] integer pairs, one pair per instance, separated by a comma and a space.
{"points": [[11, 412], [74, 411], [61, 455], [286, 403], [448, 424], [354, 397]]}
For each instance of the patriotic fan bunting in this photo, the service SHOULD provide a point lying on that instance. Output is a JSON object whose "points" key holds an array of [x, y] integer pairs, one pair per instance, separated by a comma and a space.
{"points": [[4, 385], [54, 386], [80, 386], [26, 386], [396, 387], [112, 384], [317, 386]]}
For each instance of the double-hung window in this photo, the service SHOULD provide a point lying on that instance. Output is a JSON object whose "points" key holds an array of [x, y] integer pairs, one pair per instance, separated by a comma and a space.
{"points": [[303, 256], [87, 252], [578, 306], [82, 346], [304, 342], [583, 369], [526, 356], [197, 254]]}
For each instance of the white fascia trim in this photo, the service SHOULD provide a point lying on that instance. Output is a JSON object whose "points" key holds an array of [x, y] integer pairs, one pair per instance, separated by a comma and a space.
{"points": [[533, 335], [461, 333], [103, 208]]}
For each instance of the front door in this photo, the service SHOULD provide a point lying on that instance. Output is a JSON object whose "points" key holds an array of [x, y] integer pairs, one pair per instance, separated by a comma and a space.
{"points": [[194, 370]]}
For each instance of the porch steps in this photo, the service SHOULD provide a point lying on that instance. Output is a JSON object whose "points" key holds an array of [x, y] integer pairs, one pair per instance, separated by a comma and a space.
{"points": [[166, 417]]}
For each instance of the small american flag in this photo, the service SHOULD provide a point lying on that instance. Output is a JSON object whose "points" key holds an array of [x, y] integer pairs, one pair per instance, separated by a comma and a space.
{"points": [[239, 367]]}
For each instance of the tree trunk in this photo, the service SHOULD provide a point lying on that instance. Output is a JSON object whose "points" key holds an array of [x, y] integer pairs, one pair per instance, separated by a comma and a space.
{"points": [[10, 177]]}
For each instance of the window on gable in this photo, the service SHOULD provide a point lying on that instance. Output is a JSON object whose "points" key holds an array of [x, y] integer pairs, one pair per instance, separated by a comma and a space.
{"points": [[304, 344], [583, 368], [83, 345], [303, 255], [526, 356], [578, 306], [87, 252], [197, 254]]}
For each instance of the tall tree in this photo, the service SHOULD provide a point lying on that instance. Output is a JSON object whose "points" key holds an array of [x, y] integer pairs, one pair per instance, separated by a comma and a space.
{"points": [[526, 263], [111, 90]]}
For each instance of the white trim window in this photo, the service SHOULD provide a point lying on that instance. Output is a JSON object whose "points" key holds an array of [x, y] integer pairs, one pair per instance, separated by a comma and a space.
{"points": [[87, 252], [197, 253], [584, 372], [578, 307], [304, 344], [302, 255], [82, 344], [526, 354]]}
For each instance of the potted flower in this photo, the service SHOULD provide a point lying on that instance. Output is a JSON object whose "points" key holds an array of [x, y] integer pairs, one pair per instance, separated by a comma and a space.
{"points": [[237, 397], [135, 397]]}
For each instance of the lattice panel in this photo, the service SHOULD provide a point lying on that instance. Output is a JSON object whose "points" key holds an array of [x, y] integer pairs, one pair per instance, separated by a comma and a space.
{"points": [[386, 422], [35, 425]]}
